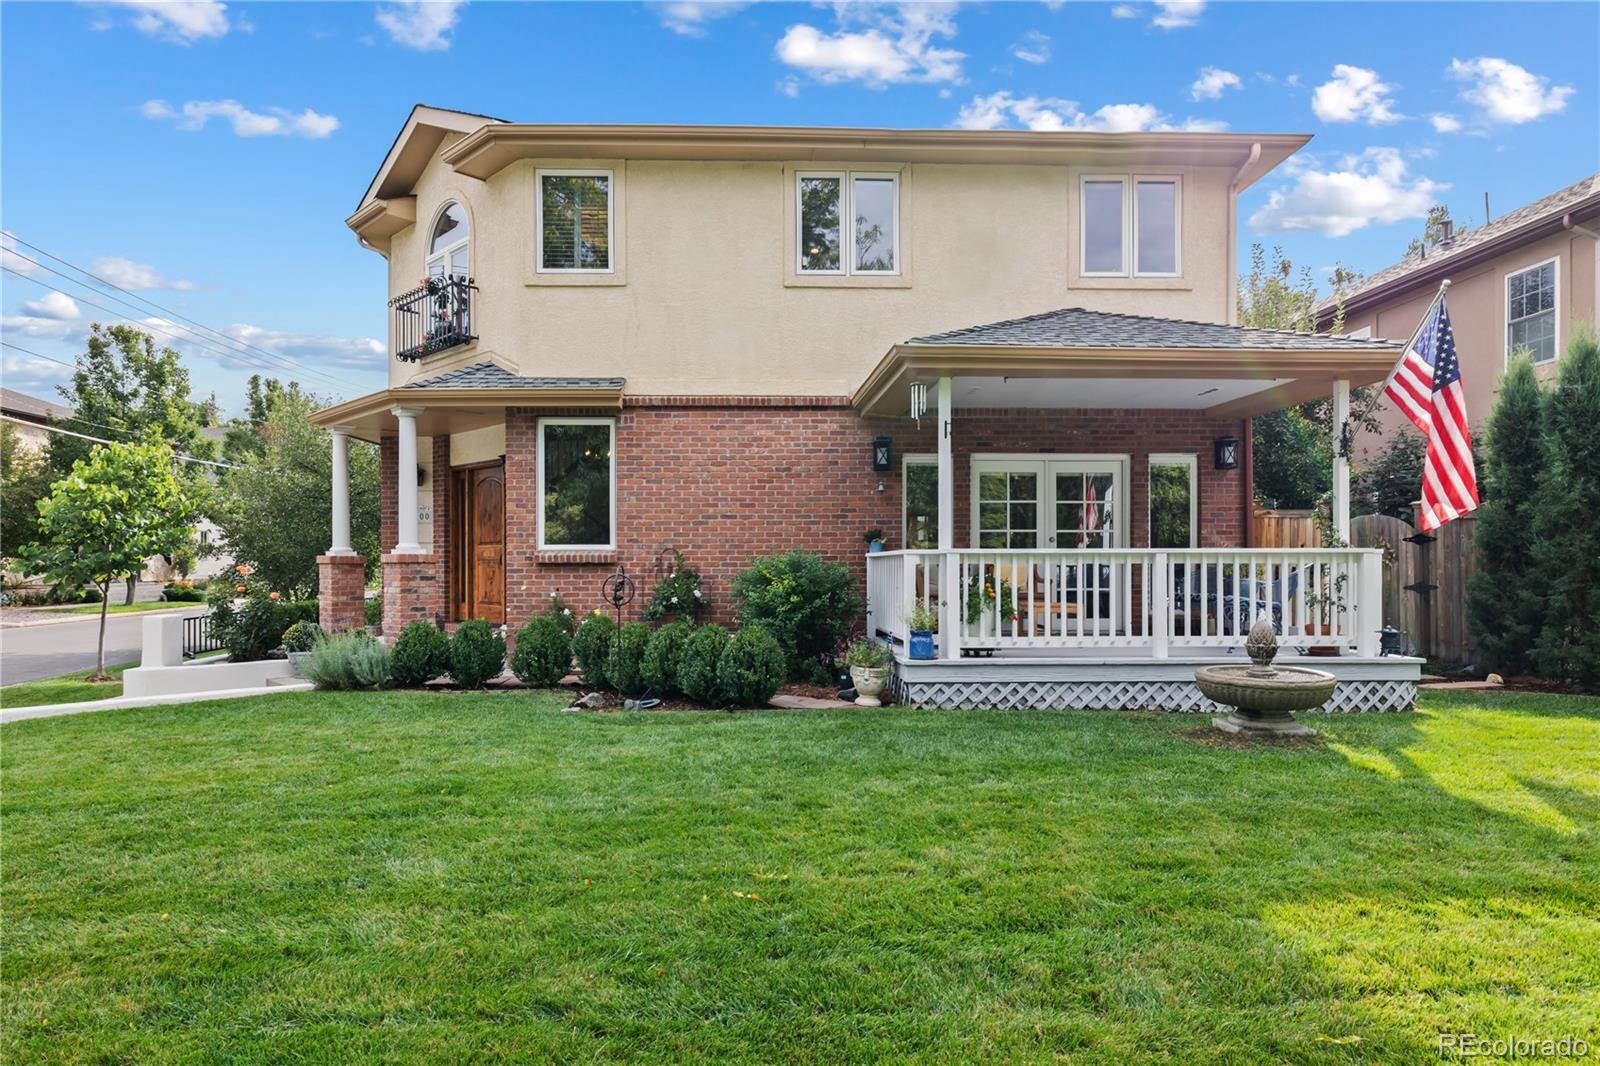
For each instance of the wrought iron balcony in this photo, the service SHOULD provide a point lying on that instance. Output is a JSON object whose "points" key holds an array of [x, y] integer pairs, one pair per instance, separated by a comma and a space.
{"points": [[432, 317]]}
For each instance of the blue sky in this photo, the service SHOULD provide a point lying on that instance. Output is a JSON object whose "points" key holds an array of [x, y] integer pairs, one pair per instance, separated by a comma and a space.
{"points": [[204, 155]]}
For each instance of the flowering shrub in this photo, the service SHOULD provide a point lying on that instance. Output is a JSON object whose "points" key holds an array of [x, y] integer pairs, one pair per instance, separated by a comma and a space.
{"points": [[253, 629], [678, 593]]}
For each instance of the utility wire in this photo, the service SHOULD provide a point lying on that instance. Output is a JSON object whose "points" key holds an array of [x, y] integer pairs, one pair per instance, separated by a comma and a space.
{"points": [[285, 360], [239, 357], [102, 440]]}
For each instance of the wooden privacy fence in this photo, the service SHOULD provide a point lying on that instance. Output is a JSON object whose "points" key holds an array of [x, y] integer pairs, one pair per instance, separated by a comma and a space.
{"points": [[1285, 529], [1424, 582]]}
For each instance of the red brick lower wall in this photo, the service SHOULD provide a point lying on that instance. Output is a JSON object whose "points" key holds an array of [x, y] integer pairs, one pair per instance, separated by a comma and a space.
{"points": [[722, 484], [413, 591], [341, 592]]}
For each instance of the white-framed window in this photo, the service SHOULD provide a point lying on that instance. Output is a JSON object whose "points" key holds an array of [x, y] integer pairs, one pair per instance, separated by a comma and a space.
{"points": [[919, 511], [577, 483], [1174, 500], [1531, 310], [449, 245], [1130, 225], [573, 228], [847, 222]]}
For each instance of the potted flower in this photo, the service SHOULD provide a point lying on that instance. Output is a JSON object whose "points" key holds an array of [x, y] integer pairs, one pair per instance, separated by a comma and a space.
{"points": [[869, 669], [874, 539], [298, 642], [923, 621]]}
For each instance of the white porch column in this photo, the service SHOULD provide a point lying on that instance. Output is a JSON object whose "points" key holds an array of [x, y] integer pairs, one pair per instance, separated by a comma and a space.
{"points": [[406, 476], [950, 611], [1341, 463], [340, 436]]}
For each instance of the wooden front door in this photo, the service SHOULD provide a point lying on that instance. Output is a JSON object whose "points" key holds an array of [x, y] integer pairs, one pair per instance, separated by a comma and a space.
{"points": [[478, 556]]}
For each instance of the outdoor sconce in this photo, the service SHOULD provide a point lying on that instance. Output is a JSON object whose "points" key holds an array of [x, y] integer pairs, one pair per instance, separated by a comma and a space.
{"points": [[880, 453], [422, 475], [1227, 453]]}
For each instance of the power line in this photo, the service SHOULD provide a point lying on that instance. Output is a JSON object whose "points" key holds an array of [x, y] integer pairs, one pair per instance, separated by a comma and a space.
{"points": [[285, 360], [241, 357], [102, 440]]}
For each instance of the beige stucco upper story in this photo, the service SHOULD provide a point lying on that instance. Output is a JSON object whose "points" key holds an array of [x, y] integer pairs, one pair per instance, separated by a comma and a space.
{"points": [[703, 296]]}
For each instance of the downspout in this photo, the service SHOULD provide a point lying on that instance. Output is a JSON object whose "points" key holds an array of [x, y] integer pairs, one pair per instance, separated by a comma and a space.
{"points": [[1249, 493], [1233, 232], [1568, 224]]}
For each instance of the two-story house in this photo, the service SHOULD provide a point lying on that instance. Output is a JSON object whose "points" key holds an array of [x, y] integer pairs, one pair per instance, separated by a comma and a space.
{"points": [[1011, 351]]}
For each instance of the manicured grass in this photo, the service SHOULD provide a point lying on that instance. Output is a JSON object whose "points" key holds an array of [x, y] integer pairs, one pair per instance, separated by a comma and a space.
{"points": [[68, 688], [450, 878], [126, 608]]}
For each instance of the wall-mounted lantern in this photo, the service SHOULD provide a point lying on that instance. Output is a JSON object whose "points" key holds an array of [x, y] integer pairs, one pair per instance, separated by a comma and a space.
{"points": [[881, 456], [1227, 453]]}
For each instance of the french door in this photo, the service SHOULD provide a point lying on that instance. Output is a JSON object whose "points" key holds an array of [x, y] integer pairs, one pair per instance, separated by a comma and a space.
{"points": [[1061, 502]]}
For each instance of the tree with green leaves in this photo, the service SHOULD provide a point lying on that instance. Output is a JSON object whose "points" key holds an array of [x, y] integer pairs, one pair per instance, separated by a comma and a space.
{"points": [[262, 397], [1506, 599], [24, 481], [1393, 479], [1293, 455], [117, 507], [272, 508], [1566, 523], [1432, 232]]}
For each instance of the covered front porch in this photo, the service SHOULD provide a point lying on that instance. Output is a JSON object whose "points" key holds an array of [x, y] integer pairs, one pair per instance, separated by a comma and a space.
{"points": [[1103, 577]]}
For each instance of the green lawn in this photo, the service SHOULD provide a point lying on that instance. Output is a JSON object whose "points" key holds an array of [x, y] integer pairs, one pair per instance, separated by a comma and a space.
{"points": [[68, 688], [450, 878]]}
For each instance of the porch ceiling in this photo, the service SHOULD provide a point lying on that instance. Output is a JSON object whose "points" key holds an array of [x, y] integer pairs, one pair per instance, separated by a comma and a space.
{"points": [[1163, 393]]}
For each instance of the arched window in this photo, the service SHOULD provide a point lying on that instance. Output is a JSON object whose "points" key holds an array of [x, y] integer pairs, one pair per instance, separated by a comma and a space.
{"points": [[447, 249]]}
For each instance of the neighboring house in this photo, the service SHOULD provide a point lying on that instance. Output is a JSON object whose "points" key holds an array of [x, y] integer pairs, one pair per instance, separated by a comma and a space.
{"points": [[1009, 350], [35, 419], [1521, 281]]}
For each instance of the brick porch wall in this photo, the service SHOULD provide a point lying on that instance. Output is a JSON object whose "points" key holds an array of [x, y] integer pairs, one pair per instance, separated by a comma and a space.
{"points": [[421, 591], [341, 592], [723, 483]]}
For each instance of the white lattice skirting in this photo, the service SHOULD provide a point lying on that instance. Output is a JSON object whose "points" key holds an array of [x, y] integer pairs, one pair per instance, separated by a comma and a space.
{"points": [[1349, 696]]}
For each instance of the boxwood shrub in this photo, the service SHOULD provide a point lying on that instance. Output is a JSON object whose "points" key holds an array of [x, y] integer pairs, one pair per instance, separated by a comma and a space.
{"points": [[659, 670], [751, 668], [477, 654], [591, 645], [697, 665], [806, 603], [421, 653], [543, 653], [627, 656]]}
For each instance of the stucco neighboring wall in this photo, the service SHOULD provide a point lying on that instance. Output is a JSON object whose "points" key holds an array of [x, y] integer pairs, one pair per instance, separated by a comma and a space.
{"points": [[1477, 301], [703, 302]]}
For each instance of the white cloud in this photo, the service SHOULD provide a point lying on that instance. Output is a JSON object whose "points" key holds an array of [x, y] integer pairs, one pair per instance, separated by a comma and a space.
{"points": [[49, 327], [690, 17], [277, 122], [53, 305], [314, 349], [789, 87], [1445, 123], [999, 110], [1369, 188], [1354, 94], [1212, 82], [1507, 93], [1033, 48], [424, 25], [130, 275], [36, 377], [1176, 14], [180, 21], [12, 260], [1124, 11], [894, 45]]}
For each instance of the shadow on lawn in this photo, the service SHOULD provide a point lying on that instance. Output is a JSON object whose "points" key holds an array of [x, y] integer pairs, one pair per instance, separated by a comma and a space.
{"points": [[448, 878]]}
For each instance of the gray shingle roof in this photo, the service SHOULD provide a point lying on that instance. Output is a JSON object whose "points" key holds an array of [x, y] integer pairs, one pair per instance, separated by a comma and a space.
{"points": [[22, 405], [1075, 327], [1557, 203], [490, 376]]}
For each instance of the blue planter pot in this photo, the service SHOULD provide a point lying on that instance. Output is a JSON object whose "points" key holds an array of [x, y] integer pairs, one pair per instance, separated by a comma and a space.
{"points": [[921, 644], [875, 546]]}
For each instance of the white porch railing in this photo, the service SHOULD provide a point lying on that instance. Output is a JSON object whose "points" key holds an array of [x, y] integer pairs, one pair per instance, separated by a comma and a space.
{"points": [[1130, 598]]}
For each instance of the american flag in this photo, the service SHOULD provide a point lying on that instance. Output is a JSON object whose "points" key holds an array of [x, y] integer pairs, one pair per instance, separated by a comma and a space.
{"points": [[1449, 479]]}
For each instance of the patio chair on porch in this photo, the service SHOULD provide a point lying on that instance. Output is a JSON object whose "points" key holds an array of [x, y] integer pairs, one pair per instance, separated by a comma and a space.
{"points": [[1235, 597]]}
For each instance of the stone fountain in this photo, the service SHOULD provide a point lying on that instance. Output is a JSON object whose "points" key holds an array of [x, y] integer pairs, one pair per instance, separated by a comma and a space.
{"points": [[1262, 695]]}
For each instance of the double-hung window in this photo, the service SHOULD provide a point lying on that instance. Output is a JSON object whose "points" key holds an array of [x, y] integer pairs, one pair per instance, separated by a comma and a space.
{"points": [[577, 483], [573, 228], [1130, 226], [1531, 311], [1173, 501], [848, 222]]}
